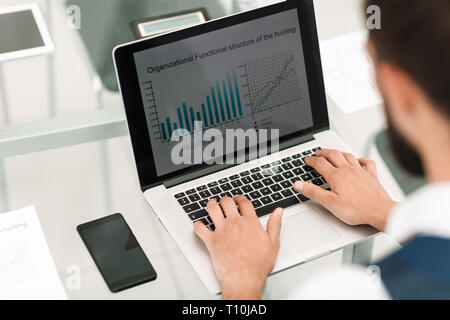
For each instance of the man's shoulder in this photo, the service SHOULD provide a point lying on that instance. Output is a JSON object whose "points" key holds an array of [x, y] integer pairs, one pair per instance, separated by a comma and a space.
{"points": [[420, 270]]}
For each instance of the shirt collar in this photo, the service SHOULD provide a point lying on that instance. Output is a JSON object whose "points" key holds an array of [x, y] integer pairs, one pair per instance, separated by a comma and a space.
{"points": [[425, 212]]}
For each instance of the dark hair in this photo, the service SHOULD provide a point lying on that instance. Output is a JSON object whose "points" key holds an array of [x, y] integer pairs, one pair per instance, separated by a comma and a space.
{"points": [[415, 36]]}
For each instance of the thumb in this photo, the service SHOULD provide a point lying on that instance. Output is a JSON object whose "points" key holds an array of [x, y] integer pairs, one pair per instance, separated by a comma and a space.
{"points": [[274, 226], [313, 192]]}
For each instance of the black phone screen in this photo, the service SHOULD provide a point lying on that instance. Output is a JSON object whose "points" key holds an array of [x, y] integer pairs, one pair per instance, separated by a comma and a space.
{"points": [[116, 252]]}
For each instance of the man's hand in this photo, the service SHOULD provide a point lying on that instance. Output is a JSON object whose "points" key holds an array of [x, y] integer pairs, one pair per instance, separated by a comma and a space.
{"points": [[357, 196], [242, 252]]}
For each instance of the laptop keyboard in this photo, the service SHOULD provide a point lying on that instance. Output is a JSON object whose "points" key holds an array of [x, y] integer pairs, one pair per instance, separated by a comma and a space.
{"points": [[268, 187]]}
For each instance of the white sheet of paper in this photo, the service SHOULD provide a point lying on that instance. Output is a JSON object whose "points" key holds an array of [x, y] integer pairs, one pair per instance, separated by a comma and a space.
{"points": [[348, 72], [27, 270]]}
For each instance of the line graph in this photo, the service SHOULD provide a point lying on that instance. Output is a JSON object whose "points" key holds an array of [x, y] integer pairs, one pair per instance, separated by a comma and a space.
{"points": [[272, 81]]}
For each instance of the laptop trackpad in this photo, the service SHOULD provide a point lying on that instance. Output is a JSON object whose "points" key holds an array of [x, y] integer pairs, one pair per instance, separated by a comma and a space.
{"points": [[305, 231]]}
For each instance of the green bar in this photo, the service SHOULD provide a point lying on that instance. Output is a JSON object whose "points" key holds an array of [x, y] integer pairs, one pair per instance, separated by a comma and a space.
{"points": [[238, 96], [219, 94], [205, 118], [191, 109], [216, 110], [186, 117], [230, 90], [227, 103], [169, 127], [163, 130], [211, 119], [180, 118]]}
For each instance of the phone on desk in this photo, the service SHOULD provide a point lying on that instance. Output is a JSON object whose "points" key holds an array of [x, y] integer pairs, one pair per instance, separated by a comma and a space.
{"points": [[116, 252]]}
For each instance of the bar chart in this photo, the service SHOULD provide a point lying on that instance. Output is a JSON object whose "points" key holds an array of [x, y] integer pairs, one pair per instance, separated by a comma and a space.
{"points": [[222, 103]]}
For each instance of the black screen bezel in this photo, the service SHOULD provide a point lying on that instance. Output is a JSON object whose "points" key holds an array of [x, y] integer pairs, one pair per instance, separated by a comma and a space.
{"points": [[130, 281], [130, 89]]}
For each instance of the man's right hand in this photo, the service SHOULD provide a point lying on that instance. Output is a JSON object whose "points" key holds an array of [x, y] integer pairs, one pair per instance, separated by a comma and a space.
{"points": [[357, 196]]}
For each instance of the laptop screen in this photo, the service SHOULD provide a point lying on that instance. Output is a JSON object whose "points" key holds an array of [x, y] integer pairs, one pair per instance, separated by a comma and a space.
{"points": [[247, 76]]}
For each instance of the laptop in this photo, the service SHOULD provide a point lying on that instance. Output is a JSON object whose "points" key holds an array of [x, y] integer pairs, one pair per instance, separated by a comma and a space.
{"points": [[257, 70]]}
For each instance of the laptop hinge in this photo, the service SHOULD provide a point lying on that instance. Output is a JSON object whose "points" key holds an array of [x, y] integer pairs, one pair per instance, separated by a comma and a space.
{"points": [[216, 168]]}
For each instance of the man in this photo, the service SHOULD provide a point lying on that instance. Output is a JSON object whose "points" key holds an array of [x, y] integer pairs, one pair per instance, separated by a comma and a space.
{"points": [[411, 54]]}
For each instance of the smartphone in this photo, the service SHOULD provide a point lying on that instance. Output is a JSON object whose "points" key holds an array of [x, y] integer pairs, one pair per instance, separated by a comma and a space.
{"points": [[116, 252]]}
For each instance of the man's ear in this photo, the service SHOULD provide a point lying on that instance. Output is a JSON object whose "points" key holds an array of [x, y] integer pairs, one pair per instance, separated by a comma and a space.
{"points": [[398, 88]]}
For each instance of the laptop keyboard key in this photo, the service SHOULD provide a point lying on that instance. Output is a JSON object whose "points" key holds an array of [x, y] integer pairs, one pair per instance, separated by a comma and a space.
{"points": [[202, 188], [179, 195], [226, 194], [256, 203], [247, 189], [183, 201], [278, 178], [194, 197], [286, 184], [215, 190], [254, 170], [288, 175], [191, 207], [224, 180], [307, 168], [204, 221], [266, 166], [306, 177], [317, 182], [235, 192], [287, 159], [287, 193], [297, 156], [205, 194], [276, 163], [287, 166], [265, 191], [302, 198], [308, 152], [276, 196], [234, 177], [245, 173], [266, 200], [213, 184], [226, 187], [192, 191], [257, 176], [255, 195], [297, 163], [203, 203], [277, 169], [267, 173], [257, 185], [246, 180], [315, 174], [285, 203], [276, 188], [268, 182], [236, 183], [298, 171], [198, 214]]}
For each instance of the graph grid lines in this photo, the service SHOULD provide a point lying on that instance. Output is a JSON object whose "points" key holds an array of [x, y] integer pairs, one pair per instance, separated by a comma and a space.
{"points": [[273, 81]]}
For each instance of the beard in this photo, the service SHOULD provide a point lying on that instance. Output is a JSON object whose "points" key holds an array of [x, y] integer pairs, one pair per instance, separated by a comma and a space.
{"points": [[408, 158]]}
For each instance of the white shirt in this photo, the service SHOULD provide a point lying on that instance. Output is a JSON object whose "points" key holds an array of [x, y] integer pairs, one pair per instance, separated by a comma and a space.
{"points": [[426, 212]]}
